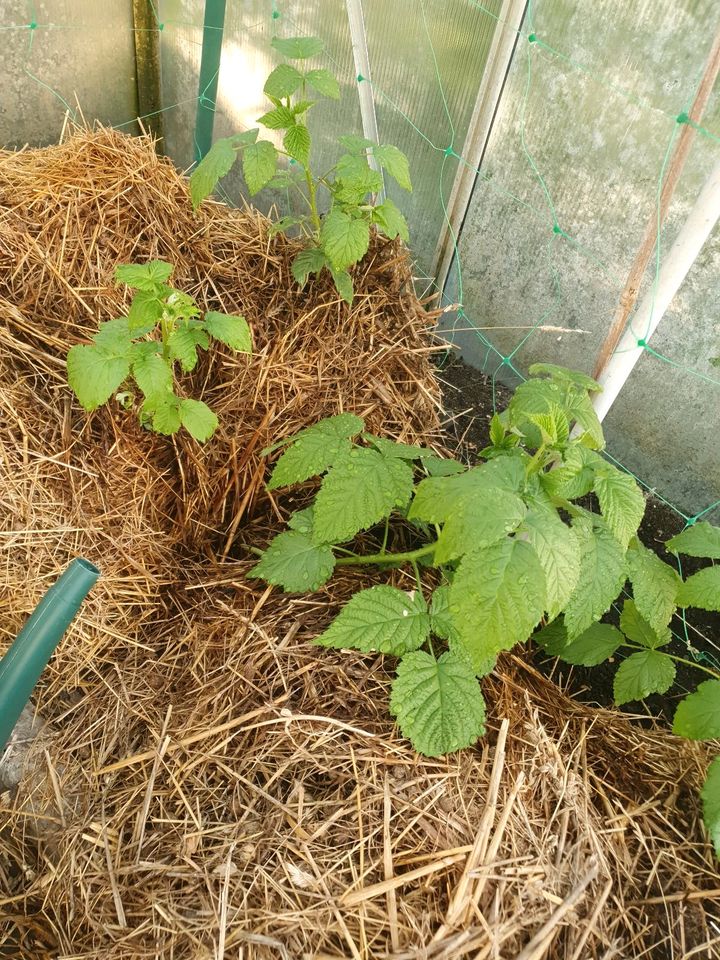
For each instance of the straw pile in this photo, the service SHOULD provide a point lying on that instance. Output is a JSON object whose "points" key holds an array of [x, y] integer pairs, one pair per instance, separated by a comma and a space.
{"points": [[209, 784]]}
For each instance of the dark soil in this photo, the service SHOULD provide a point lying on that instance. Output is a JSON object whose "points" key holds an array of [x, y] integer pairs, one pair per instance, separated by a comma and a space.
{"points": [[470, 400]]}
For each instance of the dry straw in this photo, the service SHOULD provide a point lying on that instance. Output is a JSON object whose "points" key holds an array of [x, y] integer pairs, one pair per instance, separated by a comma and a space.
{"points": [[209, 784]]}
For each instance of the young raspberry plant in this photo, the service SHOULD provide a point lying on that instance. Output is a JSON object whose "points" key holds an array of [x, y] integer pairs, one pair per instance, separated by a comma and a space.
{"points": [[340, 238], [162, 330], [543, 533]]}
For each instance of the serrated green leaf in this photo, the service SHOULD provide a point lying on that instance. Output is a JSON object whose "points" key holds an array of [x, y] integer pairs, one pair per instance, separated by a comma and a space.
{"points": [[701, 590], [164, 410], [144, 276], [497, 597], [302, 521], [295, 563], [302, 106], [602, 574], [438, 703], [297, 143], [655, 586], [282, 82], [390, 220], [621, 501], [574, 477], [645, 672], [563, 375], [437, 497], [324, 82], [183, 343], [396, 163], [114, 336], [382, 619], [497, 430], [698, 716], [441, 623], [198, 419], [343, 284], [278, 119], [298, 48], [395, 450], [315, 449], [360, 489], [636, 628], [710, 795], [354, 190], [259, 163], [344, 239], [558, 551], [594, 646], [284, 224], [153, 374], [478, 522], [699, 540], [216, 164], [353, 144], [310, 260], [553, 638], [94, 373], [578, 406], [233, 331], [442, 467], [145, 312]]}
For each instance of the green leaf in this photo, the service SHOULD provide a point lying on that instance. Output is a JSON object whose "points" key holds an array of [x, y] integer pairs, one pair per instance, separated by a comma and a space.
{"points": [[563, 375], [392, 223], [621, 502], [558, 551], [637, 629], [441, 623], [360, 489], [497, 597], [307, 261], [153, 374], [295, 563], [579, 408], [343, 284], [595, 645], [324, 82], [284, 224], [282, 82], [641, 674], [302, 106], [602, 575], [380, 619], [354, 186], [478, 521], [396, 164], [233, 331], [574, 477], [700, 540], [278, 119], [345, 240], [297, 143], [437, 497], [438, 703], [353, 144], [298, 48], [442, 467], [216, 163], [553, 638], [183, 343], [701, 590], [302, 521], [698, 716], [145, 312], [198, 419], [710, 795], [395, 450], [95, 373], [144, 276], [114, 336], [259, 163], [497, 430], [315, 449], [165, 412], [655, 586]]}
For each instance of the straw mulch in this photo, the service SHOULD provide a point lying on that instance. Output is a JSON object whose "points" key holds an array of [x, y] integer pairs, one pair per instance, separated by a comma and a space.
{"points": [[209, 784]]}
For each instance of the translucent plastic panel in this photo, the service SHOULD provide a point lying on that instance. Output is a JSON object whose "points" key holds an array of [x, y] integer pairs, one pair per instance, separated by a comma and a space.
{"points": [[60, 56], [569, 181]]}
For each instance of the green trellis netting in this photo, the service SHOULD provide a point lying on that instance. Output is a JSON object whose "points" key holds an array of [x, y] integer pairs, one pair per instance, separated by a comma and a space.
{"points": [[592, 104]]}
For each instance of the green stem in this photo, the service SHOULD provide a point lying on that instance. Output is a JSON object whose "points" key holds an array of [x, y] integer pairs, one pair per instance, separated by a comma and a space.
{"points": [[383, 548], [688, 663], [313, 202], [535, 464], [396, 559]]}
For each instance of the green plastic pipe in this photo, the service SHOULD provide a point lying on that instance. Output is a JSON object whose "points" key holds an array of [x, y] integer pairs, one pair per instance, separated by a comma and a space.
{"points": [[213, 28], [26, 659]]}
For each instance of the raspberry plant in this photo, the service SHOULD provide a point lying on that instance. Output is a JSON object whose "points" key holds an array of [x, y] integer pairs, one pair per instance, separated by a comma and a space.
{"points": [[340, 238], [519, 543], [128, 349]]}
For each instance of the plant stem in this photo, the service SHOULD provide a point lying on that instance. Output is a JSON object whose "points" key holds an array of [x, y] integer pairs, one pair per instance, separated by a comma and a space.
{"points": [[313, 202], [395, 559], [535, 464], [383, 548]]}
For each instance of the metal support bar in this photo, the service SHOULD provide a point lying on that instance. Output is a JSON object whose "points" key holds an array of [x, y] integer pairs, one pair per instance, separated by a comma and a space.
{"points": [[213, 28], [358, 38], [147, 69]]}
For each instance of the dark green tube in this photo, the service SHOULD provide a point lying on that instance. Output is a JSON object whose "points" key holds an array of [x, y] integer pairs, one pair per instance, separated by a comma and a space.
{"points": [[213, 28], [26, 659]]}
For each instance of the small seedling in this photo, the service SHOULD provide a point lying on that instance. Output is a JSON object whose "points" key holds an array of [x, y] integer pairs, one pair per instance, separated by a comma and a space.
{"points": [[340, 238], [127, 350], [518, 543]]}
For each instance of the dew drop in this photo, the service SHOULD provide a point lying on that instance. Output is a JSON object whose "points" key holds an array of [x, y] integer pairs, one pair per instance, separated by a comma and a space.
{"points": [[406, 613]]}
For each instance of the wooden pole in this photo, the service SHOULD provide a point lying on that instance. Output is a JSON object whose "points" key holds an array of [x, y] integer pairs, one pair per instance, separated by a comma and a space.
{"points": [[147, 69]]}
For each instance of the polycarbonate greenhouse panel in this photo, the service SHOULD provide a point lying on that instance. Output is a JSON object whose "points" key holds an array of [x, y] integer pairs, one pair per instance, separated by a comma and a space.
{"points": [[568, 183], [64, 56], [424, 55]]}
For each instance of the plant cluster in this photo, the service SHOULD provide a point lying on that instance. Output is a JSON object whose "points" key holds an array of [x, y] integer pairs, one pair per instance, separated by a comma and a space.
{"points": [[127, 350], [340, 238], [543, 533]]}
